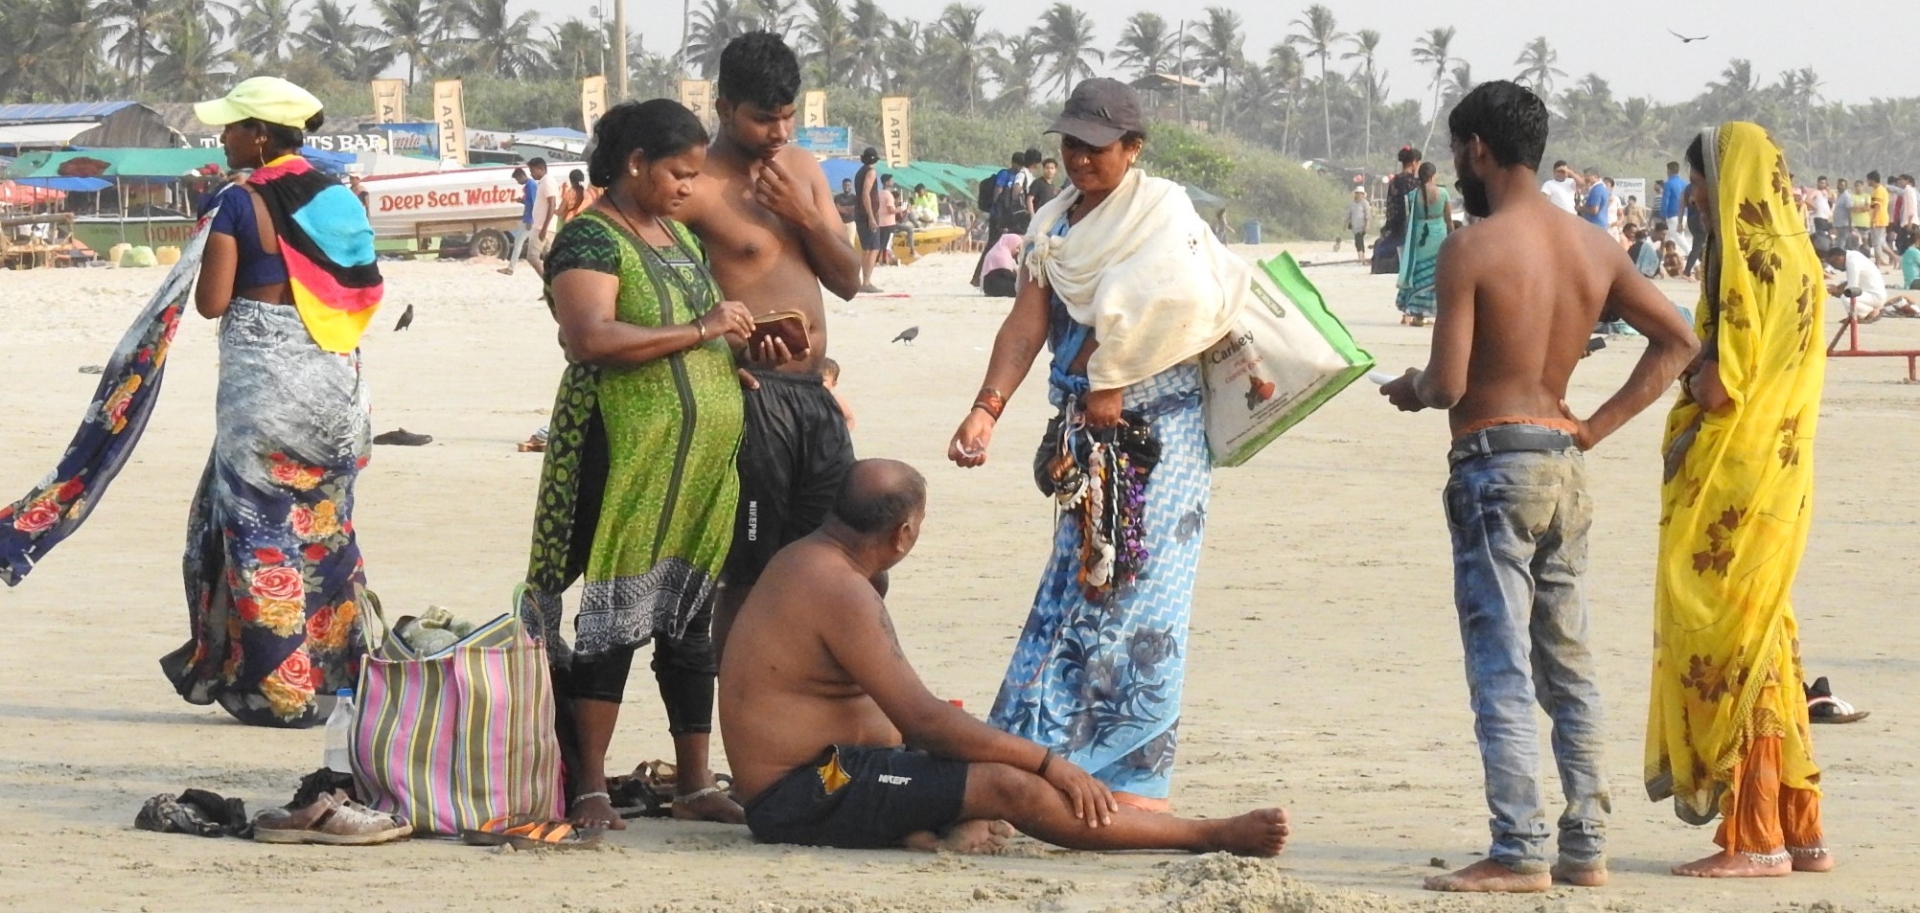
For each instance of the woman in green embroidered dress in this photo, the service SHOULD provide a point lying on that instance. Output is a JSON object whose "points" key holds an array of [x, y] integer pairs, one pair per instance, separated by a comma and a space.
{"points": [[638, 489]]}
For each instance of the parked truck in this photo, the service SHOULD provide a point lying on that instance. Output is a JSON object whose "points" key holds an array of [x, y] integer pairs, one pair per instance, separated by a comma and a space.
{"points": [[467, 212]]}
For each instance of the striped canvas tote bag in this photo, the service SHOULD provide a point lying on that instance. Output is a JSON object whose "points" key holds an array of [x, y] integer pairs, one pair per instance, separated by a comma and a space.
{"points": [[459, 737]]}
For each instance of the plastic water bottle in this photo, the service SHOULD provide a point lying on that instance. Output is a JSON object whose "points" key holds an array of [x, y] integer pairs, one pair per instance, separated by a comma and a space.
{"points": [[339, 731]]}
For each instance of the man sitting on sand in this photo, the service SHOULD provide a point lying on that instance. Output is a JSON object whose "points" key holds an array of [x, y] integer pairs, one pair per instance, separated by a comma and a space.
{"points": [[1518, 291], [818, 701]]}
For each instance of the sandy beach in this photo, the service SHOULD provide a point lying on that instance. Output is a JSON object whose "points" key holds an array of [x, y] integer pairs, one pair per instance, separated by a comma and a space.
{"points": [[1324, 671]]}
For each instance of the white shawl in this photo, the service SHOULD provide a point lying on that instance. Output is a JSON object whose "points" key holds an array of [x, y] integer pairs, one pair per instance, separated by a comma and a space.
{"points": [[1145, 272]]}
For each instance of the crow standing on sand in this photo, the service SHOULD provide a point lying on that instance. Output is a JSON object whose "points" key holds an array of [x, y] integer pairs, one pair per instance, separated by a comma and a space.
{"points": [[908, 335], [406, 319]]}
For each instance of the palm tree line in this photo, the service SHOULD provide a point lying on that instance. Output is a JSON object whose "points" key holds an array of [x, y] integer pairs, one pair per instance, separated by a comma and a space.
{"points": [[1319, 76], [176, 50]]}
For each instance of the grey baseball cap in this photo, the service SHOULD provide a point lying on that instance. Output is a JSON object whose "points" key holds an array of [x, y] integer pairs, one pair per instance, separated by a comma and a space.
{"points": [[1099, 112]]}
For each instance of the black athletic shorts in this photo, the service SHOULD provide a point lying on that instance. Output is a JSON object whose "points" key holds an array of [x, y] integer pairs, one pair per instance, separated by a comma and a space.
{"points": [[794, 456], [869, 236], [860, 798]]}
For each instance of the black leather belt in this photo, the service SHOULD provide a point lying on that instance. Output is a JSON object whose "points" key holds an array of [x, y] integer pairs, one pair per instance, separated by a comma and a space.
{"points": [[1509, 439]]}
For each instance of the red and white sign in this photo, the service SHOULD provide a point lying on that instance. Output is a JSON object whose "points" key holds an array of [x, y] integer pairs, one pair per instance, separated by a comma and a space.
{"points": [[396, 203]]}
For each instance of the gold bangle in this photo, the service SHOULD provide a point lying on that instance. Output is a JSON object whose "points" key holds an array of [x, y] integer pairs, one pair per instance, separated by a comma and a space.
{"points": [[702, 328]]}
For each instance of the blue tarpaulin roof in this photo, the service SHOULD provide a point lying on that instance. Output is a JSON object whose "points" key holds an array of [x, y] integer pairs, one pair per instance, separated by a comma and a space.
{"points": [[69, 185], [50, 113]]}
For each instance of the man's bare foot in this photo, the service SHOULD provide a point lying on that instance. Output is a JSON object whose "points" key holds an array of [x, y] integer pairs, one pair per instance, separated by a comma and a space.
{"points": [[1490, 877], [709, 804], [1262, 832], [1814, 861], [1729, 864], [1580, 876], [506, 272], [970, 837], [593, 810]]}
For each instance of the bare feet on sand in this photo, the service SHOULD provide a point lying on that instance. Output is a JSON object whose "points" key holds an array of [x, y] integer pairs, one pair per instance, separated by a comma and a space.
{"points": [[1256, 833], [708, 804], [593, 810], [1490, 877], [1580, 876], [970, 837], [1729, 864], [1808, 862]]}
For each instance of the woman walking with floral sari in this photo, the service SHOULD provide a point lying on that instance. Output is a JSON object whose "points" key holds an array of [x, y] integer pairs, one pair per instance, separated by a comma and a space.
{"points": [[1428, 207], [1727, 729]]}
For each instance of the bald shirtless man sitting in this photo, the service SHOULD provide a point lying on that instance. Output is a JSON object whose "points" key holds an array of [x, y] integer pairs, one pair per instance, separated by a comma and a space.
{"points": [[835, 742], [1518, 293], [765, 215]]}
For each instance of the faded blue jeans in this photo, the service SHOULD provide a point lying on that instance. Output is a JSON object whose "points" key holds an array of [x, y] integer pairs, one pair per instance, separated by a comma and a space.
{"points": [[1519, 522]]}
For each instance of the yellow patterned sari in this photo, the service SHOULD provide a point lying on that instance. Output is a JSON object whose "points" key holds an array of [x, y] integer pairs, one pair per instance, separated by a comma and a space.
{"points": [[1727, 723]]}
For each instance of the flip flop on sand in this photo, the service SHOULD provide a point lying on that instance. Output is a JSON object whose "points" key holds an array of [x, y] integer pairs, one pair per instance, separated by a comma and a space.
{"points": [[531, 835], [331, 820], [1823, 707]]}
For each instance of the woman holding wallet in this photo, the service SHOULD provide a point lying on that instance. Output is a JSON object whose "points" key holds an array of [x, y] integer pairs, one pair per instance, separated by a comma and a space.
{"points": [[638, 490]]}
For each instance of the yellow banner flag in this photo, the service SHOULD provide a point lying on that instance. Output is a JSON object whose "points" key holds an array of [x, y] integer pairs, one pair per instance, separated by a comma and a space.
{"points": [[389, 101], [697, 95], [896, 130], [450, 115], [815, 109], [593, 101]]}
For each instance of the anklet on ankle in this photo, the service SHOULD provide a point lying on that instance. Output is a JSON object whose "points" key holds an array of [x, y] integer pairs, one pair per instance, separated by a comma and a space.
{"points": [[1809, 852], [1769, 859]]}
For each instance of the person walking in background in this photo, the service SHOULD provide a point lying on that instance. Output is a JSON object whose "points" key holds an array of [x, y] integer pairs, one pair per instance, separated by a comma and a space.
{"points": [[522, 243], [1878, 218], [1727, 722], [1427, 228], [1393, 227], [577, 196], [1820, 208], [1596, 204], [1563, 189], [866, 183], [1673, 194], [637, 490], [1861, 217], [1359, 217]]}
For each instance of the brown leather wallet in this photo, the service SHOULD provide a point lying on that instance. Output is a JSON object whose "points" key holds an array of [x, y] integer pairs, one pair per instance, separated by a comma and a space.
{"points": [[789, 327]]}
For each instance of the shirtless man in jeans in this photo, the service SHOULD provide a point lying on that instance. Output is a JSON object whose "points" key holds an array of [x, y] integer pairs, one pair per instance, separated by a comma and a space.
{"points": [[763, 211], [835, 741], [1519, 292]]}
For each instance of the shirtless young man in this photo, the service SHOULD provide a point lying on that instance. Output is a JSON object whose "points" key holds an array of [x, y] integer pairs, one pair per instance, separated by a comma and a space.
{"points": [[1519, 293], [764, 212], [817, 701]]}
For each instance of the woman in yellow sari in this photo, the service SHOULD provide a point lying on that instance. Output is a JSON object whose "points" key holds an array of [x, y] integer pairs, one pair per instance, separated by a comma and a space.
{"points": [[1727, 726]]}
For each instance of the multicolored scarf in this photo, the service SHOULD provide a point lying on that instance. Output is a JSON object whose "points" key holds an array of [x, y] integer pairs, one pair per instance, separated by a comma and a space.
{"points": [[328, 246], [129, 388]]}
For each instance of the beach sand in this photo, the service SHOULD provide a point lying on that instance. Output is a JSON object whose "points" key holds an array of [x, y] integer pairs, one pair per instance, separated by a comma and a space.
{"points": [[1324, 675]]}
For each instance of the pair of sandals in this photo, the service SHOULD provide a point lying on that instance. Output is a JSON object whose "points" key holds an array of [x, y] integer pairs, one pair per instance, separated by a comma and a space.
{"points": [[653, 787], [1823, 707]]}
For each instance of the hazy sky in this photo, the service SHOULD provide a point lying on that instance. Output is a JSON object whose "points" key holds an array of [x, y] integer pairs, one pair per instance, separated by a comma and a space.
{"points": [[1625, 41]]}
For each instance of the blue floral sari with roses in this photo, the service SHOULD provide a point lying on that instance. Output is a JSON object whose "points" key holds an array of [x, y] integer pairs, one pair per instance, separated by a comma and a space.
{"points": [[273, 576], [1100, 682]]}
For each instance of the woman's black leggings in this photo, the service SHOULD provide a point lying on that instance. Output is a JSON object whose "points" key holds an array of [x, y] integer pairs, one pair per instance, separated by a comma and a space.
{"points": [[684, 669]]}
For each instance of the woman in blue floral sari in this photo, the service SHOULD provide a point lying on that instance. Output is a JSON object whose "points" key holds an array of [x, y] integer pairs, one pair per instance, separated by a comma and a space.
{"points": [[1126, 285]]}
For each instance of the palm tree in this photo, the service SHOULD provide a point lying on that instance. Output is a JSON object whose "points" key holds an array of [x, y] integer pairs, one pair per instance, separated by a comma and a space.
{"points": [[1459, 82], [1289, 72], [575, 49], [1218, 43], [1014, 68], [411, 28], [71, 31], [1640, 130], [23, 67], [501, 43], [1366, 46], [1737, 96], [868, 26], [263, 29], [1318, 34], [777, 16], [715, 23], [1146, 46], [1537, 70], [190, 63], [132, 48], [826, 42], [1434, 50], [963, 48], [1066, 38], [331, 33], [900, 55]]}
